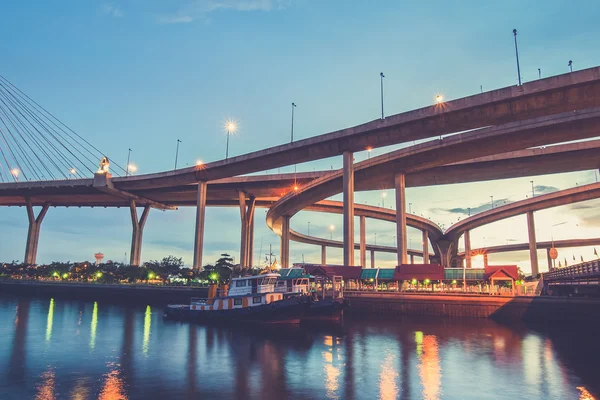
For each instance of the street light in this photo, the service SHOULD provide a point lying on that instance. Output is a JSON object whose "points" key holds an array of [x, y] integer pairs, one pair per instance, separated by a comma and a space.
{"points": [[177, 153], [308, 228], [230, 127], [73, 171], [331, 229], [382, 76], [492, 199], [517, 53], [131, 169], [539, 73], [293, 106], [532, 191], [570, 66], [127, 165], [369, 150], [383, 196], [439, 99], [15, 173], [410, 208]]}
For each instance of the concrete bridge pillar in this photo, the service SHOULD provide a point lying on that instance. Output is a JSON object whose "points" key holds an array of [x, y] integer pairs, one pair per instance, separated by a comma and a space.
{"points": [[251, 241], [532, 244], [372, 258], [285, 241], [246, 217], [137, 232], [446, 248], [363, 241], [400, 184], [425, 247], [348, 165], [200, 216], [33, 233], [323, 255], [468, 249], [412, 258]]}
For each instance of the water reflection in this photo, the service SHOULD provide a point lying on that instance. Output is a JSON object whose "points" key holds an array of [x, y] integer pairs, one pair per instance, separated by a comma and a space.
{"points": [[94, 326], [45, 389], [113, 387], [147, 323], [49, 321], [366, 359], [429, 367]]}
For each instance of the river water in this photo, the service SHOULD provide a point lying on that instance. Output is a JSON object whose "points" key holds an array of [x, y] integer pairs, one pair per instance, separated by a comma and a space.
{"points": [[59, 349]]}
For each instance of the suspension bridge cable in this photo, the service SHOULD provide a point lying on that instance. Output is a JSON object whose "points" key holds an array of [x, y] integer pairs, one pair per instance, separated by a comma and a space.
{"points": [[58, 120]]}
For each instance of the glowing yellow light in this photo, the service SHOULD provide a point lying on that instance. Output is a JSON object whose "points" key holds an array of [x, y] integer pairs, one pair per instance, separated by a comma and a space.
{"points": [[15, 172], [49, 321], [332, 227], [383, 194], [230, 126], [296, 188], [65, 275], [73, 171], [132, 168], [199, 163], [150, 275], [147, 323], [369, 149], [98, 274], [94, 326], [439, 99]]}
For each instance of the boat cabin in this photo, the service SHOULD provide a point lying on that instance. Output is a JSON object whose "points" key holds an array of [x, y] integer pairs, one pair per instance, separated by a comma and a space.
{"points": [[248, 291], [293, 280]]}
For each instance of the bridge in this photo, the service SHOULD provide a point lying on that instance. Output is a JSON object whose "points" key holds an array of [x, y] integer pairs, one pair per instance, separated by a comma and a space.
{"points": [[532, 129]]}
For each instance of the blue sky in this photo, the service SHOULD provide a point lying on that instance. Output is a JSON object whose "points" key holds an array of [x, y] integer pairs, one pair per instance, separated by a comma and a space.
{"points": [[142, 74]]}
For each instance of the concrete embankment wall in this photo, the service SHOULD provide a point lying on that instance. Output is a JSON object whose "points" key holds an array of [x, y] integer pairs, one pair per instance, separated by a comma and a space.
{"points": [[529, 309], [137, 294]]}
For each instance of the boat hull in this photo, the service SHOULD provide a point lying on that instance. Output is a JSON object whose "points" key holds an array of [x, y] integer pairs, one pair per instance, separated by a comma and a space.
{"points": [[326, 310], [287, 311]]}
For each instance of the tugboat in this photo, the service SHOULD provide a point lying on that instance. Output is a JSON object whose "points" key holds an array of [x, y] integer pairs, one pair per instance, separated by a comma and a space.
{"points": [[250, 299]]}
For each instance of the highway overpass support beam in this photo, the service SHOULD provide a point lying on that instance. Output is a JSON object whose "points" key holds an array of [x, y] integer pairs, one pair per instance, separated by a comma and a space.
{"points": [[400, 184], [363, 241], [467, 249], [372, 258], [348, 165], [532, 244], [425, 247], [137, 232], [323, 255], [200, 217], [285, 241], [247, 219], [33, 233]]}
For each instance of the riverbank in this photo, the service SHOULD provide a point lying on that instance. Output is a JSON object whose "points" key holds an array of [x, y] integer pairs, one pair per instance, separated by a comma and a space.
{"points": [[504, 308], [142, 294]]}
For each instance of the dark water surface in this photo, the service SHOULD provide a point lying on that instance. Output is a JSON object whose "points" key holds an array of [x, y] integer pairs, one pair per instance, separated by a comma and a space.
{"points": [[57, 349]]}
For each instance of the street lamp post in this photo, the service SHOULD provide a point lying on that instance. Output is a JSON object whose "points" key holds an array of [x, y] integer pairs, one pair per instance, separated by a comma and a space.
{"points": [[308, 228], [177, 153], [410, 208], [127, 166], [492, 201], [293, 106], [517, 54], [381, 76], [539, 73], [230, 127], [532, 190], [383, 195], [570, 66], [331, 229]]}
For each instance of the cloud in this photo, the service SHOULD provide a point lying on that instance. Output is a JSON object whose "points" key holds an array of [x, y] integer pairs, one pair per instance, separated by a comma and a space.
{"points": [[201, 8], [542, 189], [473, 210], [112, 11]]}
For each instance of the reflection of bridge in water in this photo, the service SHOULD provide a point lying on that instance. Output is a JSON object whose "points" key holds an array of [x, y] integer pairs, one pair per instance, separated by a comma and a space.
{"points": [[493, 135]]}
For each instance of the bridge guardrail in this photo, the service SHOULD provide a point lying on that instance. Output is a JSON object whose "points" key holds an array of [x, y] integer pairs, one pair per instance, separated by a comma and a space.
{"points": [[588, 269]]}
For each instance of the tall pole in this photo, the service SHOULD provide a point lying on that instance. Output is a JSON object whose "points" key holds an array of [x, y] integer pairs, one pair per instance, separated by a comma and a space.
{"points": [[517, 53], [492, 200], [177, 153], [127, 166], [308, 228], [382, 76], [539, 73], [570, 66], [293, 106], [227, 148], [532, 191]]}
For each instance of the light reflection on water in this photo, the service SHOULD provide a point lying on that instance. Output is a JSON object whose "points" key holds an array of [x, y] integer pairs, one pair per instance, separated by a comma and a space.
{"points": [[135, 354]]}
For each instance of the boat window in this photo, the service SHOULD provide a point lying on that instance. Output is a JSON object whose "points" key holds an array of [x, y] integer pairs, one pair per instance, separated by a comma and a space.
{"points": [[240, 283], [281, 283], [237, 302], [256, 300]]}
